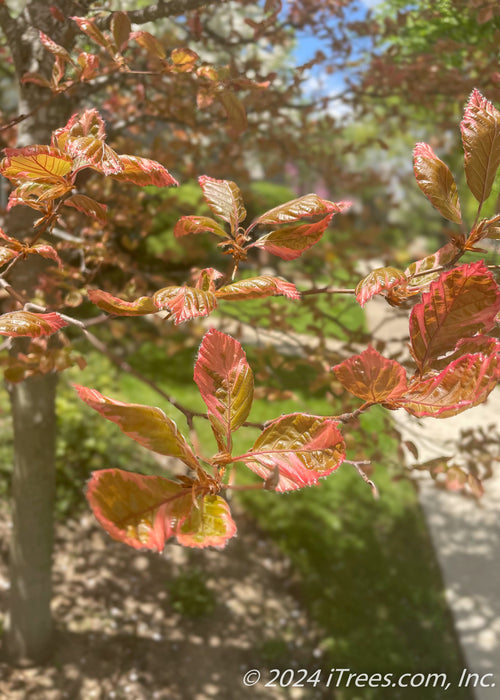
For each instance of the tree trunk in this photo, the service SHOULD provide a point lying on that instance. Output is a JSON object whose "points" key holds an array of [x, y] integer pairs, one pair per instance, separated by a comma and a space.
{"points": [[29, 629]]}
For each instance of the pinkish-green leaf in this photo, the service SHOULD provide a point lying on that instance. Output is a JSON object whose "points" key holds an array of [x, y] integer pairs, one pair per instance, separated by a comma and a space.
{"points": [[209, 525], [88, 206], [464, 383], [372, 377], [143, 171], [436, 181], [256, 288], [224, 199], [114, 305], [480, 129], [310, 205], [141, 511], [147, 425], [380, 280], [304, 448], [289, 242], [459, 304], [443, 256], [185, 303], [225, 381], [26, 323], [198, 224]]}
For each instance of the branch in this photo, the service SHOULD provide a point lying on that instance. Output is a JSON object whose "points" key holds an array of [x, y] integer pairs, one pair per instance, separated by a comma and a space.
{"points": [[161, 10]]}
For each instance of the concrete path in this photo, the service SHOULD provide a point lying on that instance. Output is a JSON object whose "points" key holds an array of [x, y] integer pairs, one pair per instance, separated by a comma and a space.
{"points": [[465, 533]]}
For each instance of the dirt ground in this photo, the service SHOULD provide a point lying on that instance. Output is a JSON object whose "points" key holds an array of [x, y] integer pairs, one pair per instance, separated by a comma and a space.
{"points": [[119, 634]]}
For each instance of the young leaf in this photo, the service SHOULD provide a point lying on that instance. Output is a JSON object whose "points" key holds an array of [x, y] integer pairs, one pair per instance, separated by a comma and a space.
{"points": [[443, 256], [185, 303], [380, 280], [118, 307], [480, 129], [7, 254], [88, 206], [235, 111], [257, 288], [289, 242], [40, 163], [436, 181], [207, 278], [54, 48], [225, 381], [209, 525], [46, 251], [310, 205], [460, 303], [198, 224], [146, 425], [88, 27], [120, 28], [224, 199], [150, 43], [141, 511], [304, 448], [372, 377], [143, 171], [25, 323], [35, 194], [464, 383]]}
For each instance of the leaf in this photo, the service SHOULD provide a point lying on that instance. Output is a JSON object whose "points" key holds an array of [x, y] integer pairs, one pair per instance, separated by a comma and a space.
{"points": [[236, 115], [464, 383], [46, 251], [83, 138], [40, 163], [88, 27], [460, 303], [210, 525], [289, 242], [150, 43], [34, 194], [310, 205], [198, 224], [141, 511], [118, 307], [26, 323], [207, 278], [143, 171], [480, 129], [372, 377], [184, 59], [146, 425], [185, 303], [305, 448], [436, 181], [54, 48], [224, 199], [380, 280], [120, 28], [88, 206], [443, 256], [225, 381], [7, 254], [256, 288]]}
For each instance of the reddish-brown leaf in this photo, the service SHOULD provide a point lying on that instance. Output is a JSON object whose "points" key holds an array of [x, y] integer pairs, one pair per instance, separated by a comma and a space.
{"points": [[436, 181], [120, 28], [308, 206], [459, 304], [304, 448], [224, 199], [147, 425], [372, 377], [480, 129]]}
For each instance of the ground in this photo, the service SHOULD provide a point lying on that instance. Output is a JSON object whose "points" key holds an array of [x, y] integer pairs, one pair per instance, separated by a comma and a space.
{"points": [[127, 624]]}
